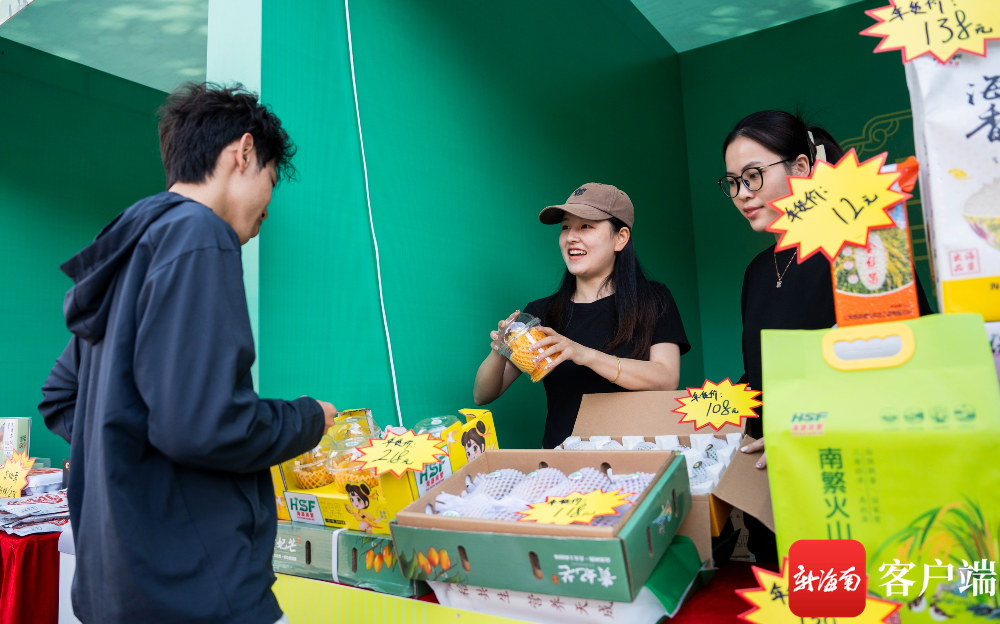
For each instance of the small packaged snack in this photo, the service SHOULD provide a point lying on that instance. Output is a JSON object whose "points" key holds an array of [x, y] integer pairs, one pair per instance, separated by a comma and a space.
{"points": [[517, 339]]}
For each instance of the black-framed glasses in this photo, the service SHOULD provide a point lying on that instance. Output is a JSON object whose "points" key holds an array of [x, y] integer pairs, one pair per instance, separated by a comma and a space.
{"points": [[752, 177]]}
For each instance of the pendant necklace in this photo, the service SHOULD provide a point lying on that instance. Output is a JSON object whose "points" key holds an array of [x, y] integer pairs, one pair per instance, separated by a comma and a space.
{"points": [[782, 274]]}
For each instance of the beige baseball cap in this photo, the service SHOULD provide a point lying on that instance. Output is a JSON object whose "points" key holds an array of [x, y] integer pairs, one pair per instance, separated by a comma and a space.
{"points": [[592, 201]]}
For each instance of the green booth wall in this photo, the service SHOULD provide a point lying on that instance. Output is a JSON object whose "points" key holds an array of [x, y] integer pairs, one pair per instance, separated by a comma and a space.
{"points": [[474, 119], [78, 146]]}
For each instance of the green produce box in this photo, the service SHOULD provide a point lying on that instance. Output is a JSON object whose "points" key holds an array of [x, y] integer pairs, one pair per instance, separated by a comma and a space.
{"points": [[889, 434], [595, 562], [359, 559]]}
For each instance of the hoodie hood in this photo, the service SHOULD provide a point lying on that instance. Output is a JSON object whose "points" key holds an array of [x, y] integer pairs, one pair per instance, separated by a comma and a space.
{"points": [[95, 269]]}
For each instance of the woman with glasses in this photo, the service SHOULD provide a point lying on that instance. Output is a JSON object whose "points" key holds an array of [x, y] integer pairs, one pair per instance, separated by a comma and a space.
{"points": [[761, 152]]}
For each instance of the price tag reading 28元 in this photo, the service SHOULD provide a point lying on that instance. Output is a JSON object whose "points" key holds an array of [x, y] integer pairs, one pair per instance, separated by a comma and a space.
{"points": [[836, 205], [718, 404], [399, 453], [575, 508], [941, 28]]}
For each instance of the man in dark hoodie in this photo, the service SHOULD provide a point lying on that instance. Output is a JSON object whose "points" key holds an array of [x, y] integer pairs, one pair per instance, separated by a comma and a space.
{"points": [[170, 495]]}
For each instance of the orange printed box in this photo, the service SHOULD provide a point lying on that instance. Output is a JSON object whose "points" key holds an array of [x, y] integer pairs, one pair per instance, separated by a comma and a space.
{"points": [[876, 283]]}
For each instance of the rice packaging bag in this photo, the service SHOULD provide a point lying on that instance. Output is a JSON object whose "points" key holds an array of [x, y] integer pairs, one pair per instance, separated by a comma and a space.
{"points": [[889, 434], [956, 124]]}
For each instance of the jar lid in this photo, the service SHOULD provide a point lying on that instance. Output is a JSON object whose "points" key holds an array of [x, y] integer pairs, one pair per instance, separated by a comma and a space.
{"points": [[435, 425]]}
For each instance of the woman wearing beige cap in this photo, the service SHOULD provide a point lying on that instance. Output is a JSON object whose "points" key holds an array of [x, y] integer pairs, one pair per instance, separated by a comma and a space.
{"points": [[608, 328]]}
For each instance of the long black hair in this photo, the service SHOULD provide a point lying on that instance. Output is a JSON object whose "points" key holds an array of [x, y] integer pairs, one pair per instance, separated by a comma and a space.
{"points": [[638, 304], [786, 135]]}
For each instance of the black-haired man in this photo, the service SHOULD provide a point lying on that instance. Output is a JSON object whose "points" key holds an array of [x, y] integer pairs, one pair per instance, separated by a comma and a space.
{"points": [[170, 496]]}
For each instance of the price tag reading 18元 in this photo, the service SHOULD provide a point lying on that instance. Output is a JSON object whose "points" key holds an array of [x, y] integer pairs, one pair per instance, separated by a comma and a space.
{"points": [[399, 453], [941, 28], [836, 205], [14, 475], [718, 404], [575, 508]]}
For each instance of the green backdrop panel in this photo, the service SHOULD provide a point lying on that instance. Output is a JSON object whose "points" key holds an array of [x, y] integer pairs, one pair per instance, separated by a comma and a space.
{"points": [[474, 120], [79, 146], [819, 65]]}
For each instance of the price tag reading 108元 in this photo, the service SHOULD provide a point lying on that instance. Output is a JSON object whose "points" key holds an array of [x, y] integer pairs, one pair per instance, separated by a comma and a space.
{"points": [[718, 404]]}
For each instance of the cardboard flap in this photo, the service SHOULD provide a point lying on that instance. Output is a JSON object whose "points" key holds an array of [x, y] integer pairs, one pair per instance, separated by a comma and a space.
{"points": [[645, 414], [745, 486]]}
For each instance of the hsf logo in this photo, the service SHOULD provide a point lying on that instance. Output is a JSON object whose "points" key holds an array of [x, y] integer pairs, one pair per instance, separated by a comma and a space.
{"points": [[808, 423], [299, 505]]}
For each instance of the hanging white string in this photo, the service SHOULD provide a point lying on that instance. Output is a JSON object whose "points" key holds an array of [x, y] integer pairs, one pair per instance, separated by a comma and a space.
{"points": [[371, 221]]}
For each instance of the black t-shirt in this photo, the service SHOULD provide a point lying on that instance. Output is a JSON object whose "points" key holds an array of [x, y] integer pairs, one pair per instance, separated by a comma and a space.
{"points": [[592, 325], [804, 301]]}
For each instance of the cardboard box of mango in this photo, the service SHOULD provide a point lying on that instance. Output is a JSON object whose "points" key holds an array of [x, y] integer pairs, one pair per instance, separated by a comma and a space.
{"points": [[323, 488], [346, 557]]}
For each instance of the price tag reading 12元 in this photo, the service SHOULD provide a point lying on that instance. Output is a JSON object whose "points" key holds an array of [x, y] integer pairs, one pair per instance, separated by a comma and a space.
{"points": [[14, 475], [836, 205], [575, 508], [718, 404], [941, 28], [399, 453]]}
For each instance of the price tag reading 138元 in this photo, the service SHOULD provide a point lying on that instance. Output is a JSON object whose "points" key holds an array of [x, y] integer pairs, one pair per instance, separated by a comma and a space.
{"points": [[718, 404], [399, 453], [941, 28], [836, 205], [575, 508]]}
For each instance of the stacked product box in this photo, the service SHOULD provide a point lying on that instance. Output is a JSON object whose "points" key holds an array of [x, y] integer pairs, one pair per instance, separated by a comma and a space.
{"points": [[650, 415], [608, 561], [346, 557], [359, 500]]}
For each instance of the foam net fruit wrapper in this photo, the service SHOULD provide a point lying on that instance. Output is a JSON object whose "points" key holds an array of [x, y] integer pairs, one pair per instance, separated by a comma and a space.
{"points": [[310, 469], [535, 484], [523, 358], [536, 487], [497, 484]]}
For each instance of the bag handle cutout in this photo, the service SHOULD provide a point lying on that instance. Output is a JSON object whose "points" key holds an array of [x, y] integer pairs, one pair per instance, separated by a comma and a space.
{"points": [[865, 347]]}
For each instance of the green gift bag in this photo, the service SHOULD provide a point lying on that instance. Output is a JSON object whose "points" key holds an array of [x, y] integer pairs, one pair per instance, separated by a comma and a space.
{"points": [[889, 434]]}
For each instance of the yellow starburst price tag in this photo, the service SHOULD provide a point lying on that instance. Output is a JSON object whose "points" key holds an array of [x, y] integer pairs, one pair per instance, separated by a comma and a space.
{"points": [[941, 28], [835, 206], [399, 453], [575, 508], [770, 603], [14, 475], [718, 404]]}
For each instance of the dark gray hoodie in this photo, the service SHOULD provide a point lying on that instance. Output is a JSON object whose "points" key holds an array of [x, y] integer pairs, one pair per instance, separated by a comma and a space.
{"points": [[170, 495]]}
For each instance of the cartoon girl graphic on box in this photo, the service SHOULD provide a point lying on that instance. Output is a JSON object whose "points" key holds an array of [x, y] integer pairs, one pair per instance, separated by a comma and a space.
{"points": [[358, 494], [474, 441]]}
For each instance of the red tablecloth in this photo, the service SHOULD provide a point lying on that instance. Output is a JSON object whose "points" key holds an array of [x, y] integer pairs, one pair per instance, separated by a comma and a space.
{"points": [[29, 579], [718, 602]]}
